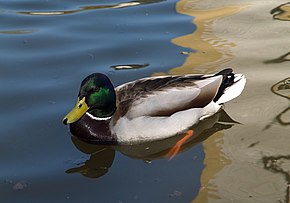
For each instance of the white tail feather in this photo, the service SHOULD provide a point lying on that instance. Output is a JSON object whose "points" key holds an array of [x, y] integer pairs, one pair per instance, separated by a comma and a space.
{"points": [[234, 90]]}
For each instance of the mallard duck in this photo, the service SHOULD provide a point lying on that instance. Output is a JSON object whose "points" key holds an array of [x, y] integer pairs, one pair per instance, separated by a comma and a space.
{"points": [[148, 109]]}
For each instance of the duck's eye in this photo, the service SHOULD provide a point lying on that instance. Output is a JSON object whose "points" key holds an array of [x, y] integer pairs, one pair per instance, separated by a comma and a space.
{"points": [[80, 105], [95, 89]]}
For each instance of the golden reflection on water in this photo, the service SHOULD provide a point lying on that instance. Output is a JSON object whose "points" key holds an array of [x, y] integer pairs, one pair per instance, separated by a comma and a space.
{"points": [[214, 182], [215, 161], [87, 8], [211, 51]]}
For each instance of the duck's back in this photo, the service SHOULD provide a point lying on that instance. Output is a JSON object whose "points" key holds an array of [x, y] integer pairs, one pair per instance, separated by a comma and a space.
{"points": [[166, 95]]}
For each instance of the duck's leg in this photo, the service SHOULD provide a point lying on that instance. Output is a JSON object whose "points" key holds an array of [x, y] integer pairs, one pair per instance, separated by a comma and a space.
{"points": [[176, 148]]}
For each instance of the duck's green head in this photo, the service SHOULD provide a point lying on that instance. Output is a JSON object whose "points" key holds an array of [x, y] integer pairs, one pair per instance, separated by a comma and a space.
{"points": [[96, 96]]}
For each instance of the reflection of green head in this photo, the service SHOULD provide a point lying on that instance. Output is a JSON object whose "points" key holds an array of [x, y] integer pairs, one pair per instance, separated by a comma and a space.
{"points": [[96, 96]]}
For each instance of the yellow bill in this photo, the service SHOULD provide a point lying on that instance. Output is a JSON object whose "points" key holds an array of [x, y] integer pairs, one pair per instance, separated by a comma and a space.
{"points": [[77, 112]]}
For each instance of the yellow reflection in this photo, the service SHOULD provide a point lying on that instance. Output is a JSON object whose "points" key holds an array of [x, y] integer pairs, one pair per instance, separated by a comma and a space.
{"points": [[215, 161], [212, 51]]}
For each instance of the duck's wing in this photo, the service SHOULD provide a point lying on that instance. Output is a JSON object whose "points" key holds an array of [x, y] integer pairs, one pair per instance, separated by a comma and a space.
{"points": [[166, 95]]}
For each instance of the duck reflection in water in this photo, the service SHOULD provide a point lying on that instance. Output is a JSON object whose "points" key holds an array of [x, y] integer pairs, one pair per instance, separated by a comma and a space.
{"points": [[102, 156], [168, 110]]}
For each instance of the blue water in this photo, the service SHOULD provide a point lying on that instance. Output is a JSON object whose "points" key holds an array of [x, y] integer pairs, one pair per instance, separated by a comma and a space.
{"points": [[46, 49]]}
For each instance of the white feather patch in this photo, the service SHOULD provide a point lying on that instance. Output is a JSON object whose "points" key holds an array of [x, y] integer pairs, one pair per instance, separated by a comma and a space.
{"points": [[98, 118], [145, 128], [233, 91]]}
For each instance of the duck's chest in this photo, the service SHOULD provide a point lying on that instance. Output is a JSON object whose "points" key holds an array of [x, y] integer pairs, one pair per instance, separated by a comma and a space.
{"points": [[93, 131]]}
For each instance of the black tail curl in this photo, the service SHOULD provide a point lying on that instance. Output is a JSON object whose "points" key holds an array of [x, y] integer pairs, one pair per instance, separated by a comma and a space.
{"points": [[228, 80]]}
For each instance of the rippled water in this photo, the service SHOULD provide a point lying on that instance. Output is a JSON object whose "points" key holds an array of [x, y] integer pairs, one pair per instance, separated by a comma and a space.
{"points": [[48, 47]]}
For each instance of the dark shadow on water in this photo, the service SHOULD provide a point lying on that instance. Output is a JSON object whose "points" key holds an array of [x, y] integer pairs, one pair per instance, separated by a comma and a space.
{"points": [[102, 157], [281, 59], [280, 119], [275, 165], [87, 8], [281, 12], [282, 89]]}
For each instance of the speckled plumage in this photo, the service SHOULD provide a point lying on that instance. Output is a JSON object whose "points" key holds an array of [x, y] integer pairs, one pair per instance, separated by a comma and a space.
{"points": [[159, 107]]}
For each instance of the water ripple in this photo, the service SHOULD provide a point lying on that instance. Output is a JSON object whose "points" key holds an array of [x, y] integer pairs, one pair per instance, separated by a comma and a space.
{"points": [[41, 9]]}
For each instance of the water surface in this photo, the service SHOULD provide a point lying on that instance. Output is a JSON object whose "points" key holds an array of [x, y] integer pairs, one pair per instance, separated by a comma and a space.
{"points": [[47, 48]]}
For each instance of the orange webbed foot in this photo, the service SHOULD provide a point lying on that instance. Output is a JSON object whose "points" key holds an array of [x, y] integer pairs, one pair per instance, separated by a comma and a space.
{"points": [[176, 148]]}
